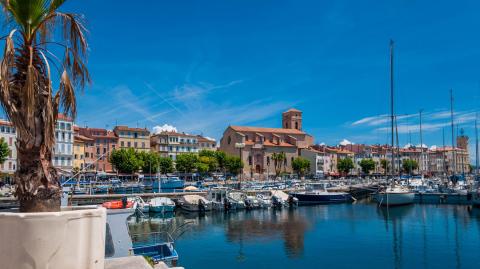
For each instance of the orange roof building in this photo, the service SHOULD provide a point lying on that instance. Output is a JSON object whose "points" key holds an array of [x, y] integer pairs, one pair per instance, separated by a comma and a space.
{"points": [[256, 145]]}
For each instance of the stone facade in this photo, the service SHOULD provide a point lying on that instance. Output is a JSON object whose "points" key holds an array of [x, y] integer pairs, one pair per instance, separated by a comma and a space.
{"points": [[136, 138], [259, 144]]}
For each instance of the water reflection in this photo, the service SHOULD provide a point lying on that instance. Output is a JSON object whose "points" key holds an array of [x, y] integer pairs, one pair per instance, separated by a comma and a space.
{"points": [[417, 236]]}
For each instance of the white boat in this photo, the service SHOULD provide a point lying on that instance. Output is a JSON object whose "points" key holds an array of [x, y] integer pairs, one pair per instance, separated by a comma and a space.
{"points": [[161, 205], [236, 200], [140, 205], [195, 203], [251, 202], [264, 200], [218, 197], [394, 196], [281, 199]]}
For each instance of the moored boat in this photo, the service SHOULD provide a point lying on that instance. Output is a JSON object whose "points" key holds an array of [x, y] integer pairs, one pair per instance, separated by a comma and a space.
{"points": [[195, 203], [161, 205], [316, 193], [394, 196]]}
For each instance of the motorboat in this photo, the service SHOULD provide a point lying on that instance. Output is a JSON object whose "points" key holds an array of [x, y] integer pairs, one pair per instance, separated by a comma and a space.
{"points": [[159, 247], [218, 197], [395, 196], [264, 200], [195, 203], [316, 193], [251, 202], [236, 200], [118, 204], [161, 205], [140, 205], [281, 199]]}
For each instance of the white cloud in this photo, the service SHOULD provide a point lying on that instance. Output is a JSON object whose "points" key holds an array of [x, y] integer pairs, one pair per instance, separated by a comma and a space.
{"points": [[423, 145], [433, 147], [164, 128], [408, 145], [345, 142], [209, 138], [322, 144]]}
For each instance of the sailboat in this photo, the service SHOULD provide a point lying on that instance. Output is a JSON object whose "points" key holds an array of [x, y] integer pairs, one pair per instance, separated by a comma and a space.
{"points": [[476, 194], [393, 195]]}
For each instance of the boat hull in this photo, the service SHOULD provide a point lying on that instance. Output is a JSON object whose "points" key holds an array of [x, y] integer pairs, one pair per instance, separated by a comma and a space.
{"points": [[395, 199], [314, 199], [162, 208]]}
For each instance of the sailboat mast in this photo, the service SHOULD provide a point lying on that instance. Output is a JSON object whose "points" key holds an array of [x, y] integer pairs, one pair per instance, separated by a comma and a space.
{"points": [[392, 115], [453, 135], [476, 144], [421, 144]]}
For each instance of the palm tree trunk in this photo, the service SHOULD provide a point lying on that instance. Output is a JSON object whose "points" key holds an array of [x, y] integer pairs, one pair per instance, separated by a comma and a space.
{"points": [[38, 188]]}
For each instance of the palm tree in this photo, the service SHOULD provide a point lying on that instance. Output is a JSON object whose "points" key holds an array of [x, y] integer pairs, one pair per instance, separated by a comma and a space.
{"points": [[30, 58], [278, 160]]}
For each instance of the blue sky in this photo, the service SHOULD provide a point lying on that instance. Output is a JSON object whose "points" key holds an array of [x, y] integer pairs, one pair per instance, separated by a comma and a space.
{"points": [[202, 65]]}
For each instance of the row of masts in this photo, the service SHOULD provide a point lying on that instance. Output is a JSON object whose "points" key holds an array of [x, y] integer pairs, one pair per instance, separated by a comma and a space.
{"points": [[394, 130]]}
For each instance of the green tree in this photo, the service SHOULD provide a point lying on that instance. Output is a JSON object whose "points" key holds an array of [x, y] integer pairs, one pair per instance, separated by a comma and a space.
{"points": [[385, 165], [233, 164], [278, 162], [206, 153], [165, 165], [210, 162], [409, 165], [186, 163], [27, 93], [221, 159], [300, 166], [4, 150], [202, 168], [150, 161], [367, 165], [345, 165], [126, 160]]}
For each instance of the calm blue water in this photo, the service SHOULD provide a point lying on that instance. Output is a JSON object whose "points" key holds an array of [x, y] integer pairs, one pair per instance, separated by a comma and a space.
{"points": [[331, 236]]}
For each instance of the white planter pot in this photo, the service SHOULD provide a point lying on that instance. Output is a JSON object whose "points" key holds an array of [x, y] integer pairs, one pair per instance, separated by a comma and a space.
{"points": [[73, 238]]}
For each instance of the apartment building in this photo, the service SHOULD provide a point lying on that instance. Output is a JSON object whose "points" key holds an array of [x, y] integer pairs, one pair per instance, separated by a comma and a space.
{"points": [[136, 138]]}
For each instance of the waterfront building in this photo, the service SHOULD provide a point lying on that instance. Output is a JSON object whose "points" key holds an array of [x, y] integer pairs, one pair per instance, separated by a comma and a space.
{"points": [[63, 149], [9, 135], [136, 138], [321, 162], [83, 152], [102, 143], [442, 161], [256, 145], [172, 144], [205, 143]]}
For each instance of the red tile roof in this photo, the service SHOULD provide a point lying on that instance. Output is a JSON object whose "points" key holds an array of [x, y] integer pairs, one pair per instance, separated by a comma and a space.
{"points": [[266, 130], [62, 116], [126, 128]]}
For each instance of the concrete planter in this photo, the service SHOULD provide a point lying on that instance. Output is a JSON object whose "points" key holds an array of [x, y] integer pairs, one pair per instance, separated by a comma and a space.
{"points": [[73, 238]]}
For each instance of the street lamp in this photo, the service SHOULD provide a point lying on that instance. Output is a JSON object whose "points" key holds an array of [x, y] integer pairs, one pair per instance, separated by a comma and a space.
{"points": [[240, 146]]}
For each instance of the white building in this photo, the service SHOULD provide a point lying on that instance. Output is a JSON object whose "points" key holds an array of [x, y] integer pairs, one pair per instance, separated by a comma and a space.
{"points": [[9, 135], [63, 150], [172, 144]]}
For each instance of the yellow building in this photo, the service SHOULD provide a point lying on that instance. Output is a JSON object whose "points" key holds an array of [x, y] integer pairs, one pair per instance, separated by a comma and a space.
{"points": [[79, 144], [137, 138]]}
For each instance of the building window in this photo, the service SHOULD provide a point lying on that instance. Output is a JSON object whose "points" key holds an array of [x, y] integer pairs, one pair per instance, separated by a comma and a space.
{"points": [[143, 145], [229, 140], [135, 144], [249, 160], [122, 144], [129, 144], [10, 141]]}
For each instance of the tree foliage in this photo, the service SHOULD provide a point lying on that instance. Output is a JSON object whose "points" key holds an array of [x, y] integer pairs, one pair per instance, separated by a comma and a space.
{"points": [[300, 166], [367, 165], [186, 163], [233, 164], [278, 162], [385, 165], [345, 165], [4, 150], [165, 165], [126, 160], [149, 161], [409, 165]]}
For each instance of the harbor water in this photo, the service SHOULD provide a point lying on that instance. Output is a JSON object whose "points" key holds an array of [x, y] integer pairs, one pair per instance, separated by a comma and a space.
{"points": [[358, 235]]}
